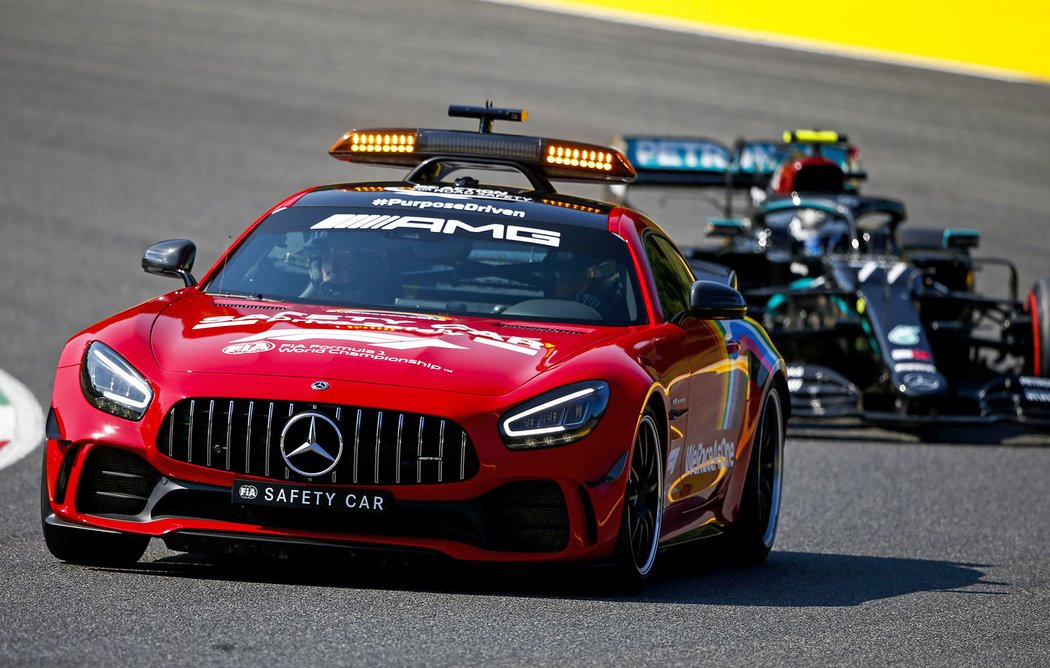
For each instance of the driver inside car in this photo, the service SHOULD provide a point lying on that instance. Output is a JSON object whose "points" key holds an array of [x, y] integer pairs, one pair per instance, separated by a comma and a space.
{"points": [[596, 285], [351, 267], [818, 233]]}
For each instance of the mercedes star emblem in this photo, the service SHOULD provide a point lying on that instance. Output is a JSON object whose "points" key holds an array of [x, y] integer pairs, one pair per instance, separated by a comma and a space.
{"points": [[311, 444], [320, 385], [921, 383]]}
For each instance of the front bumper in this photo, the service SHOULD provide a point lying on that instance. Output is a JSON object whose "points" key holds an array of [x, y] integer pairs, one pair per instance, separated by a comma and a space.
{"points": [[555, 504]]}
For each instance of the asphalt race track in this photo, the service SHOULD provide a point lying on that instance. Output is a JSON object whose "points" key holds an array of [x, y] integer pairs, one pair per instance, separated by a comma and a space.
{"points": [[127, 122]]}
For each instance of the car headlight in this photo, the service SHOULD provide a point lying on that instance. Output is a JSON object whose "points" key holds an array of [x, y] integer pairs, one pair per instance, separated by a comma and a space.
{"points": [[111, 384], [558, 417]]}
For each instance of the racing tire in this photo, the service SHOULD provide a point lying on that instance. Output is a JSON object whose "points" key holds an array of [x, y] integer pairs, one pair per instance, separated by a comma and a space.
{"points": [[751, 537], [1038, 307], [85, 546], [639, 538]]}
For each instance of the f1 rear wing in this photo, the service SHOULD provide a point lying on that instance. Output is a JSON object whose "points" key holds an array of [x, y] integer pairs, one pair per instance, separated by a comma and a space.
{"points": [[676, 160], [701, 161]]}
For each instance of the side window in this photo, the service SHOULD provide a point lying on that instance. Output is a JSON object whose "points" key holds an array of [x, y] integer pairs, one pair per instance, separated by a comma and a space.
{"points": [[671, 273]]}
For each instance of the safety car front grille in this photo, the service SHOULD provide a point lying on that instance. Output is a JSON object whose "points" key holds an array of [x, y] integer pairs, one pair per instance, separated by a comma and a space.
{"points": [[378, 447]]}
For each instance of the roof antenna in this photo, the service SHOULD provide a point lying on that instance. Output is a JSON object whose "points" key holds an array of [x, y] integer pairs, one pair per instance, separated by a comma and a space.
{"points": [[485, 125], [487, 114]]}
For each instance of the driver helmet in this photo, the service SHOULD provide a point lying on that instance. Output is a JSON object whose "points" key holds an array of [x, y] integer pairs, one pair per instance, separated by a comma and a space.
{"points": [[805, 228]]}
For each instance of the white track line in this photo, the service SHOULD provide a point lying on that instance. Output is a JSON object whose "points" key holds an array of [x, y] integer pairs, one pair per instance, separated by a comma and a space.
{"points": [[21, 420]]}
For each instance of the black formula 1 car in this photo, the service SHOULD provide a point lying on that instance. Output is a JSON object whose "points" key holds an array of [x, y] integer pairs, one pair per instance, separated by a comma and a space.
{"points": [[875, 320]]}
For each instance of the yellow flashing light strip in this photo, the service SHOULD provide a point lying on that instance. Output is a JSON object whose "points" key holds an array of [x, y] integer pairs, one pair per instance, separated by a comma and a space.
{"points": [[381, 143], [964, 37], [567, 205], [574, 157]]}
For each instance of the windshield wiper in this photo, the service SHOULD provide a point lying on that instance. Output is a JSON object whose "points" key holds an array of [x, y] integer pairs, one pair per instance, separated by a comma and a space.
{"points": [[259, 297]]}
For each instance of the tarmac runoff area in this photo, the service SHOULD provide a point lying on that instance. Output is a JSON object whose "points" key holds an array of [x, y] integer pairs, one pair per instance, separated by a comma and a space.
{"points": [[21, 420], [1005, 41]]}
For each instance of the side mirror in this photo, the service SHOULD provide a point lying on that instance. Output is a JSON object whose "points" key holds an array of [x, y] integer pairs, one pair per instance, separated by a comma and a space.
{"points": [[709, 300], [171, 258]]}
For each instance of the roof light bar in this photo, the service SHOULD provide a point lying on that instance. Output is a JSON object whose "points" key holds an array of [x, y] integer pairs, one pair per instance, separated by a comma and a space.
{"points": [[556, 159]]}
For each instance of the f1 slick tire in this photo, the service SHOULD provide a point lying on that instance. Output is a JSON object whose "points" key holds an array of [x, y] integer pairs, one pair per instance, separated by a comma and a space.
{"points": [[1038, 307]]}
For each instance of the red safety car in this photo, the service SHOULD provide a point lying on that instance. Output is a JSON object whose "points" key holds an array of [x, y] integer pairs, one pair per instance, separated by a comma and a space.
{"points": [[486, 371]]}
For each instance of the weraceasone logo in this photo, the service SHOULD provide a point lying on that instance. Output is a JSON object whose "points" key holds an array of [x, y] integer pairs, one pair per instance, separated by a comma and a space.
{"points": [[366, 221]]}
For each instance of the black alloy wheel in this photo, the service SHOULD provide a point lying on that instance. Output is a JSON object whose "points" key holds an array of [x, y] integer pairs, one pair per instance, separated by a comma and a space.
{"points": [[642, 512], [751, 537]]}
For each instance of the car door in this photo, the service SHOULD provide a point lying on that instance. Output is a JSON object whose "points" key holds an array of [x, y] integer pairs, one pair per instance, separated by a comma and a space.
{"points": [[696, 365]]}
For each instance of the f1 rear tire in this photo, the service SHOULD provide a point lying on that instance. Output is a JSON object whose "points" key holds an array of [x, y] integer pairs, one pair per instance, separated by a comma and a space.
{"points": [[1038, 307]]}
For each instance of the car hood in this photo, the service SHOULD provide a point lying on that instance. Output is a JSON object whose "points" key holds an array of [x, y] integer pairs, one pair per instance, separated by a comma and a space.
{"points": [[206, 334]]}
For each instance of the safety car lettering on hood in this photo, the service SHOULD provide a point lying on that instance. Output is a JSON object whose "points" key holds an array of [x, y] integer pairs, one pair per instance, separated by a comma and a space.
{"points": [[366, 327], [371, 338], [336, 317], [353, 351], [520, 233]]}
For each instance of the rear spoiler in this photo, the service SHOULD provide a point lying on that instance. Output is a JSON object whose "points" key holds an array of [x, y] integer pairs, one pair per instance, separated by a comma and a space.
{"points": [[700, 161]]}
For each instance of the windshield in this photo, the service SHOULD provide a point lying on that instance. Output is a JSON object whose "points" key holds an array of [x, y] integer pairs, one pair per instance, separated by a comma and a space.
{"points": [[474, 264]]}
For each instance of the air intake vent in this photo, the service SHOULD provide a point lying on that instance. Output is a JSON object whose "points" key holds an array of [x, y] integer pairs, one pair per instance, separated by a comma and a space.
{"points": [[259, 307], [529, 516], [115, 482], [551, 330]]}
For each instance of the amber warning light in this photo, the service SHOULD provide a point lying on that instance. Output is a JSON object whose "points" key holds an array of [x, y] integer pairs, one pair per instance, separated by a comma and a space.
{"points": [[557, 159]]}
